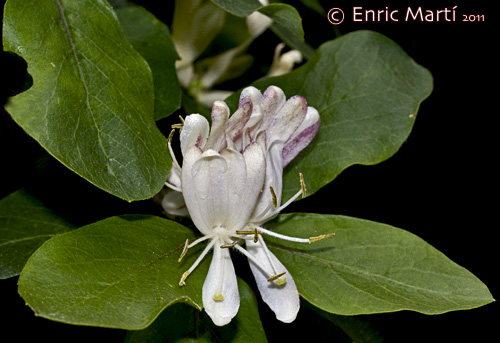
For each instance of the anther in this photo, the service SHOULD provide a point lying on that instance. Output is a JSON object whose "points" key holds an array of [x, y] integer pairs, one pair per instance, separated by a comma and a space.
{"points": [[184, 250], [319, 238], [275, 277], [180, 125], [250, 232], [273, 195], [302, 185], [232, 245], [183, 278], [171, 135]]}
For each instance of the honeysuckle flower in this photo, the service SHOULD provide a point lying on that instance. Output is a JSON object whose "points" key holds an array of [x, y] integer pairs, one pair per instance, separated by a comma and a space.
{"points": [[283, 63], [231, 181]]}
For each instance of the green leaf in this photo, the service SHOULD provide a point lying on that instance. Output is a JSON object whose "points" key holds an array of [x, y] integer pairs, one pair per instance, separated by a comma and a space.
{"points": [[151, 38], [25, 223], [91, 103], [240, 8], [245, 327], [287, 23], [370, 267], [367, 91], [121, 272]]}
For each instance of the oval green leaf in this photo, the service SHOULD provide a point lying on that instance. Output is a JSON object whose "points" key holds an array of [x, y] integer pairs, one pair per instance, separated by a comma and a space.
{"points": [[370, 267], [367, 91], [151, 38], [121, 272], [25, 223], [91, 104]]}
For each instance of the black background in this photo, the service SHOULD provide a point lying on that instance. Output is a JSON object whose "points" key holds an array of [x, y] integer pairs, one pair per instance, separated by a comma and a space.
{"points": [[441, 185]]}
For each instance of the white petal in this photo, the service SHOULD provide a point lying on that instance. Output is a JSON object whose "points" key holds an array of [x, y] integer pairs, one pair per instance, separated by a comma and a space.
{"points": [[302, 136], [217, 138], [221, 281], [255, 96], [236, 123], [272, 100], [174, 176], [206, 194], [287, 119], [191, 156], [264, 209], [174, 204], [194, 132], [283, 300], [245, 178]]}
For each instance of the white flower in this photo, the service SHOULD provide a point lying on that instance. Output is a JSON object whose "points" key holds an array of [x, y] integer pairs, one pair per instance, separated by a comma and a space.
{"points": [[231, 181], [258, 22], [283, 63]]}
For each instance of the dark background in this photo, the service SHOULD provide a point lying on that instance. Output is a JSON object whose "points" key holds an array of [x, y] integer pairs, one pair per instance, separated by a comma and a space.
{"points": [[442, 184]]}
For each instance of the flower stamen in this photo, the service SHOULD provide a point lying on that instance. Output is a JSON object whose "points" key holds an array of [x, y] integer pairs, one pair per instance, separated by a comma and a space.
{"points": [[302, 186], [184, 250], [319, 238], [273, 195], [275, 277], [179, 126], [250, 232], [198, 260], [254, 260], [218, 296], [227, 246], [183, 278]]}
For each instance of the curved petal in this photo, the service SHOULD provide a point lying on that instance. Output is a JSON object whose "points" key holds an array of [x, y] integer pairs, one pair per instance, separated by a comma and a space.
{"points": [[174, 204], [221, 299], [237, 122], [255, 97], [283, 299], [264, 209], [287, 119], [189, 191], [217, 138], [244, 181], [302, 136], [194, 132], [206, 195], [272, 100]]}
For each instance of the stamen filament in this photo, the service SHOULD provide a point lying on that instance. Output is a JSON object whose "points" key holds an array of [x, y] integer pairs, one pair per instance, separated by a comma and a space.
{"points": [[282, 207], [268, 255], [287, 238], [201, 239], [218, 296], [254, 260], [172, 154], [173, 187], [197, 262]]}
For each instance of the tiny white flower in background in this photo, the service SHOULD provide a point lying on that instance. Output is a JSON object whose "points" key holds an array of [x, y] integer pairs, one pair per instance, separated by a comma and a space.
{"points": [[231, 181], [284, 63]]}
